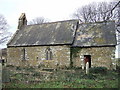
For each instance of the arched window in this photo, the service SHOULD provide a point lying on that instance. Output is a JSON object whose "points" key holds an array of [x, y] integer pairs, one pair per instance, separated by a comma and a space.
{"points": [[24, 51], [48, 54]]}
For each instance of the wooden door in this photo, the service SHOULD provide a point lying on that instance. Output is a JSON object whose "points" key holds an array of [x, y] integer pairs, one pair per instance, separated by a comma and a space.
{"points": [[87, 58]]}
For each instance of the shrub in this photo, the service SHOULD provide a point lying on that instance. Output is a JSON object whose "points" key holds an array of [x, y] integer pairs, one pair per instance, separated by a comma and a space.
{"points": [[118, 68], [29, 68], [89, 76], [36, 74], [18, 68], [10, 66], [41, 65], [98, 70]]}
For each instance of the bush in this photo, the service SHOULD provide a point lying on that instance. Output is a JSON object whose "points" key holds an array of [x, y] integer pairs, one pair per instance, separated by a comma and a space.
{"points": [[18, 68], [29, 68], [118, 68], [36, 74], [10, 66], [89, 76], [41, 66], [98, 70]]}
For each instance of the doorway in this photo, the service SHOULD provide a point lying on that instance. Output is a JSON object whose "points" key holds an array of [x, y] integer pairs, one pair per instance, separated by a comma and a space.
{"points": [[87, 58]]}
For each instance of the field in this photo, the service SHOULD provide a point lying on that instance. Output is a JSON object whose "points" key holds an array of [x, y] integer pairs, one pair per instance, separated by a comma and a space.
{"points": [[69, 78]]}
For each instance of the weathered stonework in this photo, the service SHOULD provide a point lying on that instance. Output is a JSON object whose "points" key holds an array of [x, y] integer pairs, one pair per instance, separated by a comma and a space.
{"points": [[36, 56], [51, 44], [100, 56]]}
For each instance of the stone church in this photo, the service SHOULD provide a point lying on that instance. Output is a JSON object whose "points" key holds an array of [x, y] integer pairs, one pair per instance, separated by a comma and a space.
{"points": [[62, 44]]}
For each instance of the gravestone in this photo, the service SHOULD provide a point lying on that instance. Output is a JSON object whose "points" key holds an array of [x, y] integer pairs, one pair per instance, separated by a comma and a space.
{"points": [[87, 68], [5, 75], [0, 76]]}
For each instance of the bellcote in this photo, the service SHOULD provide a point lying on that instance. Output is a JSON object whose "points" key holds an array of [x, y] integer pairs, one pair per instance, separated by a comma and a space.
{"points": [[22, 21]]}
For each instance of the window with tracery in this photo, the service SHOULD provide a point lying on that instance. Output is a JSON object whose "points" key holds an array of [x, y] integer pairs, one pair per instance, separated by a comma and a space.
{"points": [[48, 54]]}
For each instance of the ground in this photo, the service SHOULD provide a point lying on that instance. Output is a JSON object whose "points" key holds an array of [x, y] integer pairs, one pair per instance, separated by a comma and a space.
{"points": [[67, 78]]}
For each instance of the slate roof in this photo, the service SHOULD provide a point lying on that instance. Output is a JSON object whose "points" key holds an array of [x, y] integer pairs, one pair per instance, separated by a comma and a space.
{"points": [[96, 34], [66, 33], [54, 33]]}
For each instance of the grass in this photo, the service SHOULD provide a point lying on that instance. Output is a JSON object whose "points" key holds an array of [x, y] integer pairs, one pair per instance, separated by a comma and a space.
{"points": [[80, 83], [66, 79]]}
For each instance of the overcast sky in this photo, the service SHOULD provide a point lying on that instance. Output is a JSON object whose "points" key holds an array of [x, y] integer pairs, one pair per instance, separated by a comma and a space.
{"points": [[53, 10]]}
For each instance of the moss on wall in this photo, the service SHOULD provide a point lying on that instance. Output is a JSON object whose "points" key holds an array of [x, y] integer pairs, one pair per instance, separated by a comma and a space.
{"points": [[75, 51], [73, 54]]}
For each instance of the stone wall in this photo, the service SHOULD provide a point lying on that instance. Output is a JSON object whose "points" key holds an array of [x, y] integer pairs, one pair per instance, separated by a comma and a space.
{"points": [[100, 56], [36, 56]]}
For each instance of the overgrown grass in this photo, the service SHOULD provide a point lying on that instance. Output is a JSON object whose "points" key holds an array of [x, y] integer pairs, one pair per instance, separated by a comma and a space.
{"points": [[79, 83], [66, 79]]}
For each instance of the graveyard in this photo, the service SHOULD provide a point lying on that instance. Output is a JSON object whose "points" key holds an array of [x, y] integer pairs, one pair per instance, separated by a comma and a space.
{"points": [[97, 77]]}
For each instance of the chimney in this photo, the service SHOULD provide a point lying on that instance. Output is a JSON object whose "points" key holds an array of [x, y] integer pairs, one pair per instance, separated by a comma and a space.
{"points": [[22, 21]]}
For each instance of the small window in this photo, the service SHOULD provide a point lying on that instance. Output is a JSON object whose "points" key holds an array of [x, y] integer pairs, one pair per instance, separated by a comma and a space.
{"points": [[24, 54], [48, 54]]}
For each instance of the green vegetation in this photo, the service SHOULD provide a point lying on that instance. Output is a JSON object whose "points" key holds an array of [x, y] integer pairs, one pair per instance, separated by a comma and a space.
{"points": [[75, 51], [73, 54], [102, 70], [9, 66], [73, 78]]}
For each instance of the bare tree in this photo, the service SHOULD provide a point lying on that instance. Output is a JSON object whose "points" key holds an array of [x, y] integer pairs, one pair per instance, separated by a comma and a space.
{"points": [[38, 20], [4, 34], [102, 11], [117, 8], [95, 12]]}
